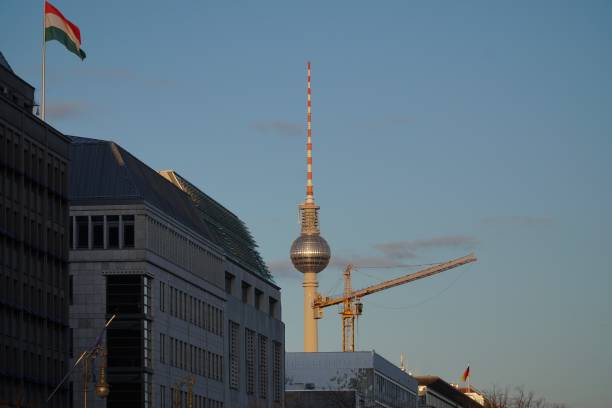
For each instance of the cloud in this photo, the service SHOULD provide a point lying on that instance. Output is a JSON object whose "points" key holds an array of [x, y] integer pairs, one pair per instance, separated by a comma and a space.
{"points": [[392, 255], [283, 268], [113, 75], [409, 249], [65, 110], [279, 128], [340, 261], [523, 220]]}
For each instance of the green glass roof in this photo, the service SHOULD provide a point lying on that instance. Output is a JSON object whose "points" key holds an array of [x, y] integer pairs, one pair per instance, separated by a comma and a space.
{"points": [[229, 230]]}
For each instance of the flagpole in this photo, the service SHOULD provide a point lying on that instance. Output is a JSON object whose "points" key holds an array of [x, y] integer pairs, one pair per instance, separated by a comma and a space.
{"points": [[44, 57], [468, 378]]}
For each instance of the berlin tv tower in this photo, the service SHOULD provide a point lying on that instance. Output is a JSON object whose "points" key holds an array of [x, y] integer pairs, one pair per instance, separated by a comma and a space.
{"points": [[310, 253]]}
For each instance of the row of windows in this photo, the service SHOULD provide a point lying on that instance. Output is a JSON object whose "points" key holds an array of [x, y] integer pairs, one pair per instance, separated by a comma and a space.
{"points": [[102, 232], [190, 358], [190, 309], [32, 232], [15, 392], [277, 371], [31, 330], [177, 398], [36, 267], [256, 362], [33, 300], [35, 366], [32, 197], [251, 295], [34, 161], [179, 249], [392, 394]]}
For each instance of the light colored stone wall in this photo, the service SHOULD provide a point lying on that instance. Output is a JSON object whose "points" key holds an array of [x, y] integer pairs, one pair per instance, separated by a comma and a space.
{"points": [[173, 255]]}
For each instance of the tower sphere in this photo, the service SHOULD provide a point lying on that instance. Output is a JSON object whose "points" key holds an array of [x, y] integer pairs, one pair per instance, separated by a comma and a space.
{"points": [[310, 253]]}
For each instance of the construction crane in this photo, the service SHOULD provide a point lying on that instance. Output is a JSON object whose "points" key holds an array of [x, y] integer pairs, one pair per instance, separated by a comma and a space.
{"points": [[350, 300]]}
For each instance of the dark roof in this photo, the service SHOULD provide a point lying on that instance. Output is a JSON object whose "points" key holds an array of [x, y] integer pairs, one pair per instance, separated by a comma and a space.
{"points": [[4, 63], [229, 230], [442, 387], [101, 171]]}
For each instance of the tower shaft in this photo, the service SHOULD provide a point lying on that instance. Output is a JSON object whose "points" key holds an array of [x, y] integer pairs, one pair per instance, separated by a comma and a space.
{"points": [[311, 330]]}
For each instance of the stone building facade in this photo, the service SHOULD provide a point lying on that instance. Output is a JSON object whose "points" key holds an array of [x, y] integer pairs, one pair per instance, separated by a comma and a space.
{"points": [[193, 300]]}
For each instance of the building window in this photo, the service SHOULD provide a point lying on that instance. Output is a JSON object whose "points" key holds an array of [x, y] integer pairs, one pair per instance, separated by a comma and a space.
{"points": [[258, 299], [272, 306], [71, 244], [162, 297], [97, 226], [70, 290], [112, 225], [277, 367], [147, 343], [162, 396], [82, 227], [147, 390], [234, 354], [229, 282], [249, 343], [162, 348], [245, 292], [128, 231], [263, 366], [146, 295]]}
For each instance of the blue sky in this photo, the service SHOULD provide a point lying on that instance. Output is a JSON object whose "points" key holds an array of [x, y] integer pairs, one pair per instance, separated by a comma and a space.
{"points": [[439, 128]]}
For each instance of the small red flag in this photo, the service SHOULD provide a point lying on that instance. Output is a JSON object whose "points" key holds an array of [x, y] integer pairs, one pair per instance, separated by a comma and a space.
{"points": [[466, 374]]}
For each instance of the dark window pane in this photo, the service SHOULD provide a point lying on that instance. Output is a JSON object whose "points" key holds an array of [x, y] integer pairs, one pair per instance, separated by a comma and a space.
{"points": [[128, 235], [97, 223], [124, 294], [112, 222], [229, 281], [71, 243], [82, 232]]}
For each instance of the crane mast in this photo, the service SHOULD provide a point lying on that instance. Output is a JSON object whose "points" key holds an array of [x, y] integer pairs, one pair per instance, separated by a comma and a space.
{"points": [[351, 300]]}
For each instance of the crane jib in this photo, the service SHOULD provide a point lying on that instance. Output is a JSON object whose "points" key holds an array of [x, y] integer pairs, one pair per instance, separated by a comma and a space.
{"points": [[325, 302]]}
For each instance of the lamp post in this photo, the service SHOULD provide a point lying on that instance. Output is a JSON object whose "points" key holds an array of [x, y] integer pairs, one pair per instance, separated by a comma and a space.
{"points": [[102, 388], [178, 386]]}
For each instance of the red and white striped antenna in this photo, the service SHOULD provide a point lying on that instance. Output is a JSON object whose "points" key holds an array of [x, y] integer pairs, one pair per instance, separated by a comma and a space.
{"points": [[309, 193]]}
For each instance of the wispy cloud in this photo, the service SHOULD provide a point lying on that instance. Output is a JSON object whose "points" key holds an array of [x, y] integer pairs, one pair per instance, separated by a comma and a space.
{"points": [[283, 268], [523, 220], [114, 75], [65, 110], [393, 254], [278, 127], [409, 249]]}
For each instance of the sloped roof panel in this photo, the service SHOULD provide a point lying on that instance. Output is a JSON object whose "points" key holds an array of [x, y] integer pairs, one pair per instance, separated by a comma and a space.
{"points": [[104, 172]]}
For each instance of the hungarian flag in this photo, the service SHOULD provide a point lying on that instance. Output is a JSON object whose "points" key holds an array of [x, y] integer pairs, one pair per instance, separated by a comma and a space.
{"points": [[466, 374], [58, 27]]}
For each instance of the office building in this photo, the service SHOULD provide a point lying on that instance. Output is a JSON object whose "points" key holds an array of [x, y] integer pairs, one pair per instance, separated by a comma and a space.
{"points": [[33, 250], [376, 381], [194, 301], [434, 392]]}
